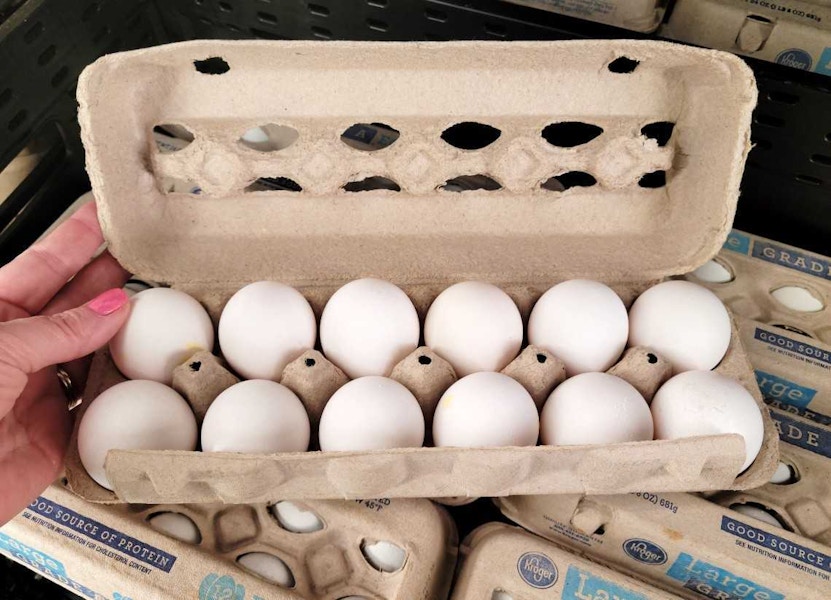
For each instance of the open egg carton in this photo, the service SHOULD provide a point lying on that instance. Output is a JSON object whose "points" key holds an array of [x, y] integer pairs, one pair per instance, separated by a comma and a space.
{"points": [[611, 160], [501, 562]]}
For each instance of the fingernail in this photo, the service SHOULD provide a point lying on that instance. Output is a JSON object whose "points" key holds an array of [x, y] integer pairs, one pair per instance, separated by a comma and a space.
{"points": [[109, 302]]}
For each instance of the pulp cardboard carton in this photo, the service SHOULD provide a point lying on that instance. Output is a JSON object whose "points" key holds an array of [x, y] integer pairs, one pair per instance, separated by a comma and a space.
{"points": [[793, 33], [500, 562], [790, 350], [682, 543], [801, 503], [111, 553], [663, 130], [637, 15]]}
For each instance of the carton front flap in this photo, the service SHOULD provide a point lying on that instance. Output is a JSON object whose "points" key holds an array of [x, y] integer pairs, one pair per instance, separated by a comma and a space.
{"points": [[641, 146]]}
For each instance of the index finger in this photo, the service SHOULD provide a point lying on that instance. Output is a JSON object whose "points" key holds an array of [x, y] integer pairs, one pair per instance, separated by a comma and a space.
{"points": [[34, 277]]}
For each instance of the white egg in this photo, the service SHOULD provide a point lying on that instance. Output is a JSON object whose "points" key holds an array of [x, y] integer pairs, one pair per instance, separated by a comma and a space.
{"points": [[713, 272], [708, 403], [785, 474], [268, 567], [583, 323], [256, 416], [367, 327], [295, 519], [760, 514], [797, 298], [474, 326], [265, 326], [595, 408], [384, 556], [683, 322], [164, 329], [486, 409], [134, 415], [176, 525], [371, 413]]}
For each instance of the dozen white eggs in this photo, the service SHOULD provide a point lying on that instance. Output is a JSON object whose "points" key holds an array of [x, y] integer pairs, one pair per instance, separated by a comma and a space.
{"points": [[370, 325]]}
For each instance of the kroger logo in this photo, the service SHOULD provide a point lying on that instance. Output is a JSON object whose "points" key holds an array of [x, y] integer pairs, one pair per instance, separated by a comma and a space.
{"points": [[537, 570], [645, 551], [796, 58]]}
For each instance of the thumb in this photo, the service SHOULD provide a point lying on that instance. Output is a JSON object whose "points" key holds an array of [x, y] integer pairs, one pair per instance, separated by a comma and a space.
{"points": [[29, 345]]}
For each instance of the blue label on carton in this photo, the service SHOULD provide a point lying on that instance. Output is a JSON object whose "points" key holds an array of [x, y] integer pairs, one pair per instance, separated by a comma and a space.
{"points": [[778, 388], [824, 62], [537, 570], [810, 437], [777, 340], [737, 242], [711, 581], [799, 557], [220, 587], [796, 58], [72, 521], [644, 551], [48, 566], [582, 585], [792, 259]]}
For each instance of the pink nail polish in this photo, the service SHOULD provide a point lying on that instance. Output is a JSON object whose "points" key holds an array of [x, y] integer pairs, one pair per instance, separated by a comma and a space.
{"points": [[109, 302]]}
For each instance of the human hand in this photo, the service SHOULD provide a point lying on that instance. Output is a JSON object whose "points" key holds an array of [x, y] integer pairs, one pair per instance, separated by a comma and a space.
{"points": [[55, 307]]}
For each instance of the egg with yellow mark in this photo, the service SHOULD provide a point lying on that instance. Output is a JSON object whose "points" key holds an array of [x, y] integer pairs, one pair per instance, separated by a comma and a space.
{"points": [[165, 328]]}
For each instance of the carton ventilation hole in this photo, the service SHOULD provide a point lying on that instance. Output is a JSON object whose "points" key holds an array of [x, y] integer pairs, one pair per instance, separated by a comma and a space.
{"points": [[660, 131], [651, 358], [501, 595], [792, 329], [470, 135], [369, 184], [176, 525], [214, 65], [655, 179], [569, 134], [269, 137], [195, 366], [759, 512], [273, 184], [384, 556], [541, 358], [714, 271], [424, 360], [466, 183], [269, 567], [759, 19], [797, 298], [560, 183], [600, 530], [369, 136], [353, 598], [785, 475], [176, 137], [295, 519], [310, 362], [623, 64]]}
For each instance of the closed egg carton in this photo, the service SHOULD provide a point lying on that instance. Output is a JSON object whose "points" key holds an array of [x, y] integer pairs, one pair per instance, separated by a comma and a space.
{"points": [[501, 562]]}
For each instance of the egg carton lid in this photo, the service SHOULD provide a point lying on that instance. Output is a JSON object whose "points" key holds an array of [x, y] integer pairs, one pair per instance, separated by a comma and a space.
{"points": [[671, 122]]}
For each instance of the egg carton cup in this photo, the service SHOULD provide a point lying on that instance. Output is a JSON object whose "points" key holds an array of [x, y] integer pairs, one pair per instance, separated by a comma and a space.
{"points": [[88, 547], [790, 349], [662, 130], [501, 562], [682, 543], [802, 503]]}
